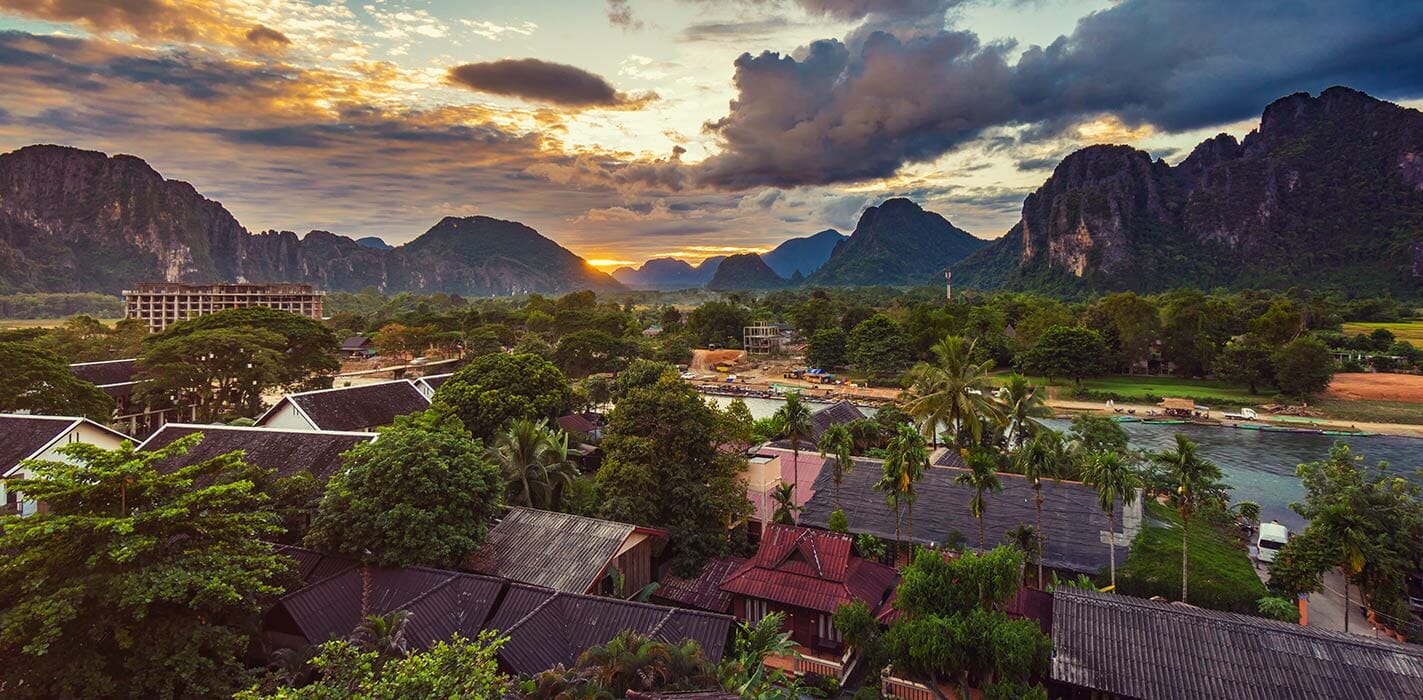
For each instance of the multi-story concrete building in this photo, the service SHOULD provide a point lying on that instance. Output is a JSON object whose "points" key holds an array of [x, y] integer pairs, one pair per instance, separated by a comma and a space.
{"points": [[160, 304]]}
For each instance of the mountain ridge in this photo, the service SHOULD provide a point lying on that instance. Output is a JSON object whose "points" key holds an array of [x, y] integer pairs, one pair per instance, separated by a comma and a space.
{"points": [[897, 242]]}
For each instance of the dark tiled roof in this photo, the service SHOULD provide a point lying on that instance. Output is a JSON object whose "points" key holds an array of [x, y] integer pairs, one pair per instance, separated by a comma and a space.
{"points": [[950, 458], [312, 565], [547, 628], [22, 436], [820, 421], [440, 602], [1073, 525], [703, 592], [574, 423], [114, 377], [360, 407], [1163, 651], [555, 550], [287, 451], [435, 381], [355, 342], [811, 569]]}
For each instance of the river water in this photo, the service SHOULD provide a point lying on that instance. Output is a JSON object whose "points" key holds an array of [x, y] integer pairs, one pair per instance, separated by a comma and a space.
{"points": [[1259, 466]]}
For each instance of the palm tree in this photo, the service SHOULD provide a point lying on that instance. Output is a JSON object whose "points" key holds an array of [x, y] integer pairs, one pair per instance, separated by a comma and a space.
{"points": [[891, 476], [911, 460], [534, 460], [786, 508], [383, 634], [1022, 402], [982, 477], [1039, 458], [1025, 538], [952, 391], [1114, 478], [630, 660], [1195, 478], [837, 443], [793, 417]]}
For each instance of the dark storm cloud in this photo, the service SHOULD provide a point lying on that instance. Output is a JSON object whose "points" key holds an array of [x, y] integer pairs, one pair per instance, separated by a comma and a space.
{"points": [[836, 112], [541, 81], [266, 35]]}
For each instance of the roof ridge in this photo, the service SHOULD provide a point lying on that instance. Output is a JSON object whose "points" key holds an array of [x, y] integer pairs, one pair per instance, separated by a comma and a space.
{"points": [[102, 362], [543, 603], [570, 515], [431, 590], [349, 388], [261, 429], [665, 619]]}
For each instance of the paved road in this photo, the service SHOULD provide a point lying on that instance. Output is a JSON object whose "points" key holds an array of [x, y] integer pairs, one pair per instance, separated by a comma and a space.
{"points": [[1326, 609]]}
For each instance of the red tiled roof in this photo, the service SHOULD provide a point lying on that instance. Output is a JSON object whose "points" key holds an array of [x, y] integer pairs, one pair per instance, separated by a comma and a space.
{"points": [[703, 592], [811, 569], [574, 423]]}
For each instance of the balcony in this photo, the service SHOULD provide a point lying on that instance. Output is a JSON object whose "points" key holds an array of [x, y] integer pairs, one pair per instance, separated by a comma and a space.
{"points": [[821, 663]]}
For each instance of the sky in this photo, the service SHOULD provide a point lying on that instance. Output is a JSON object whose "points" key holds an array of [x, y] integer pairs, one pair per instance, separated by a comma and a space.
{"points": [[632, 129]]}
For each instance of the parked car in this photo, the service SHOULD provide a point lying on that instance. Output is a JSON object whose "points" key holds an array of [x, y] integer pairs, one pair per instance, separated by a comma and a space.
{"points": [[1273, 536]]}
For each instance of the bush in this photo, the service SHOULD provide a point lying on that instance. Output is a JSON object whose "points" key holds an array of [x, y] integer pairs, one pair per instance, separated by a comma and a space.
{"points": [[1282, 609], [838, 521]]}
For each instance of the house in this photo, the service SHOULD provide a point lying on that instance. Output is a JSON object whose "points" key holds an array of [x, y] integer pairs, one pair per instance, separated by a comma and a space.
{"points": [[579, 424], [544, 627], [547, 628], [771, 466], [287, 451], [116, 379], [1112, 646], [807, 574], [568, 553], [703, 592], [363, 407], [430, 384], [27, 437], [358, 347], [1074, 527]]}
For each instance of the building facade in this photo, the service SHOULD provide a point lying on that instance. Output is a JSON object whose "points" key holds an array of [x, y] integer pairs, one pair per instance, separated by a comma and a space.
{"points": [[160, 304]]}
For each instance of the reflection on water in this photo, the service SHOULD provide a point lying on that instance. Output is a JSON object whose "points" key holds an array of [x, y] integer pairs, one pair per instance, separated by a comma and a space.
{"points": [[1259, 466]]}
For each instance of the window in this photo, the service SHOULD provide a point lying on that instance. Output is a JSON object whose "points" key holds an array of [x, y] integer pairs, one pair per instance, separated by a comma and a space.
{"points": [[826, 628], [755, 610]]}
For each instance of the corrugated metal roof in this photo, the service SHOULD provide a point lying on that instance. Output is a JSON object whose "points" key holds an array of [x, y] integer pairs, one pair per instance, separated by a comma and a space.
{"points": [[555, 550], [113, 377], [703, 592], [810, 569], [1162, 651], [547, 628], [286, 451], [312, 565], [575, 423], [820, 421], [1073, 526]]}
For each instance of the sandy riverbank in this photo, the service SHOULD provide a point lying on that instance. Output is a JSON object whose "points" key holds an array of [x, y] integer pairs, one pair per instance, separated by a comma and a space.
{"points": [[1326, 423]]}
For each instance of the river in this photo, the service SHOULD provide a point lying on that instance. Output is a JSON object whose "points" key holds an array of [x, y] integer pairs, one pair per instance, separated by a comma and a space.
{"points": [[1259, 466]]}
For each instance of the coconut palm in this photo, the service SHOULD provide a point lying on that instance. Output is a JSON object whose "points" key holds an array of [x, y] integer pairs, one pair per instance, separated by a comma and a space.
{"points": [[383, 634], [1025, 538], [891, 475], [793, 419], [1197, 481], [911, 460], [630, 660], [1114, 478], [1041, 457], [534, 461], [786, 508], [982, 477], [951, 391], [1022, 402], [837, 443]]}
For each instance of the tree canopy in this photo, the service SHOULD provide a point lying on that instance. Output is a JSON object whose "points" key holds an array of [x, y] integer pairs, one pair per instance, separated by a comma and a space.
{"points": [[494, 389], [39, 381]]}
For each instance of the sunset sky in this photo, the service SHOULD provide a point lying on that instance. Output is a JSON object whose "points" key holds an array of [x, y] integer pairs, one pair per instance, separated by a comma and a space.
{"points": [[630, 129]]}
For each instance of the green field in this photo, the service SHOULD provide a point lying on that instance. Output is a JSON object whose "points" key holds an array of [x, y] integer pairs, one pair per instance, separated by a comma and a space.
{"points": [[44, 322], [1144, 389], [1411, 331]]}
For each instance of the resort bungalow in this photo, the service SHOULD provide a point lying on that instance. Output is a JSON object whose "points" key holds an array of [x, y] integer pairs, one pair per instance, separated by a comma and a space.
{"points": [[1108, 646], [358, 347], [807, 574], [116, 378], [428, 385], [289, 452], [569, 553], [359, 408], [1075, 529], [30, 437]]}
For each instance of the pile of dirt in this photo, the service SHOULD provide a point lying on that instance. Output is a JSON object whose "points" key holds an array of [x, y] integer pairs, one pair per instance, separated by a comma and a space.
{"points": [[707, 360], [1377, 386]]}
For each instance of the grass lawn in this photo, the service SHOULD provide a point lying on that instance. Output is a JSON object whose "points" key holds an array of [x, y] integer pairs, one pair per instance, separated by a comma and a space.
{"points": [[1145, 389], [44, 322], [1222, 576], [1371, 410], [1411, 331]]}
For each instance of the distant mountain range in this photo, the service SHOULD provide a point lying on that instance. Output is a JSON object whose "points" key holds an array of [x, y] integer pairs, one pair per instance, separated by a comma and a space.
{"points": [[74, 220], [1326, 193], [803, 255], [797, 255]]}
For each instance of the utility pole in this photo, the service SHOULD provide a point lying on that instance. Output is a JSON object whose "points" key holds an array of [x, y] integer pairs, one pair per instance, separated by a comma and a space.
{"points": [[949, 285]]}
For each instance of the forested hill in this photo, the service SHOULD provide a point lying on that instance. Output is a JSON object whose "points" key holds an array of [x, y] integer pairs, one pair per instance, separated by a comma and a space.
{"points": [[1327, 193], [81, 221], [896, 243]]}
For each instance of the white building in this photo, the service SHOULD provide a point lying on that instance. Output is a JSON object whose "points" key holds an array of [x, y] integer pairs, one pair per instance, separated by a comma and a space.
{"points": [[30, 437]]}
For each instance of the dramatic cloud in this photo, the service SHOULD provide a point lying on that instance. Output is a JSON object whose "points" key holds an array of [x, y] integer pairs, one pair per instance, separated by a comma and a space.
{"points": [[620, 15], [212, 21], [542, 81], [266, 35], [839, 112]]}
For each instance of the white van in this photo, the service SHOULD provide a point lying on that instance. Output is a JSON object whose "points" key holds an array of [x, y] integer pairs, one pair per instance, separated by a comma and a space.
{"points": [[1273, 536]]}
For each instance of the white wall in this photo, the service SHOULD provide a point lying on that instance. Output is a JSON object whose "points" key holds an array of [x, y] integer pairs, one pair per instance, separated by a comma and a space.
{"points": [[286, 417], [84, 432]]}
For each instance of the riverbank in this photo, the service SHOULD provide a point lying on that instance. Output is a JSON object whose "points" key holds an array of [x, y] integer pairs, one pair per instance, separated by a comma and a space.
{"points": [[1073, 406]]}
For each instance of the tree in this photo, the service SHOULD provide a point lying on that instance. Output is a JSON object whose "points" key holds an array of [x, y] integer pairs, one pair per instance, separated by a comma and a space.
{"points": [[220, 372], [891, 476], [422, 494], [1304, 367], [663, 467], [1092, 433], [982, 477], [457, 668], [784, 498], [951, 391], [39, 381], [1135, 321], [1196, 482], [133, 583], [494, 389], [640, 374], [400, 340], [878, 347], [718, 322], [1075, 352], [1245, 360], [837, 443], [1114, 479], [634, 661], [485, 340], [534, 461], [308, 347], [911, 459], [1188, 332], [793, 418], [587, 352], [1022, 403], [826, 349], [1025, 539], [1278, 325], [1041, 457], [531, 344]]}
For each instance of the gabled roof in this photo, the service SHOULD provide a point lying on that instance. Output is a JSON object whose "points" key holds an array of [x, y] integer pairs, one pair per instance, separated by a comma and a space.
{"points": [[433, 381], [555, 550], [575, 423], [312, 565], [113, 377], [25, 436], [1074, 528], [440, 602], [703, 592], [355, 342], [287, 451], [547, 628], [820, 421], [355, 407], [811, 569], [1145, 649]]}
